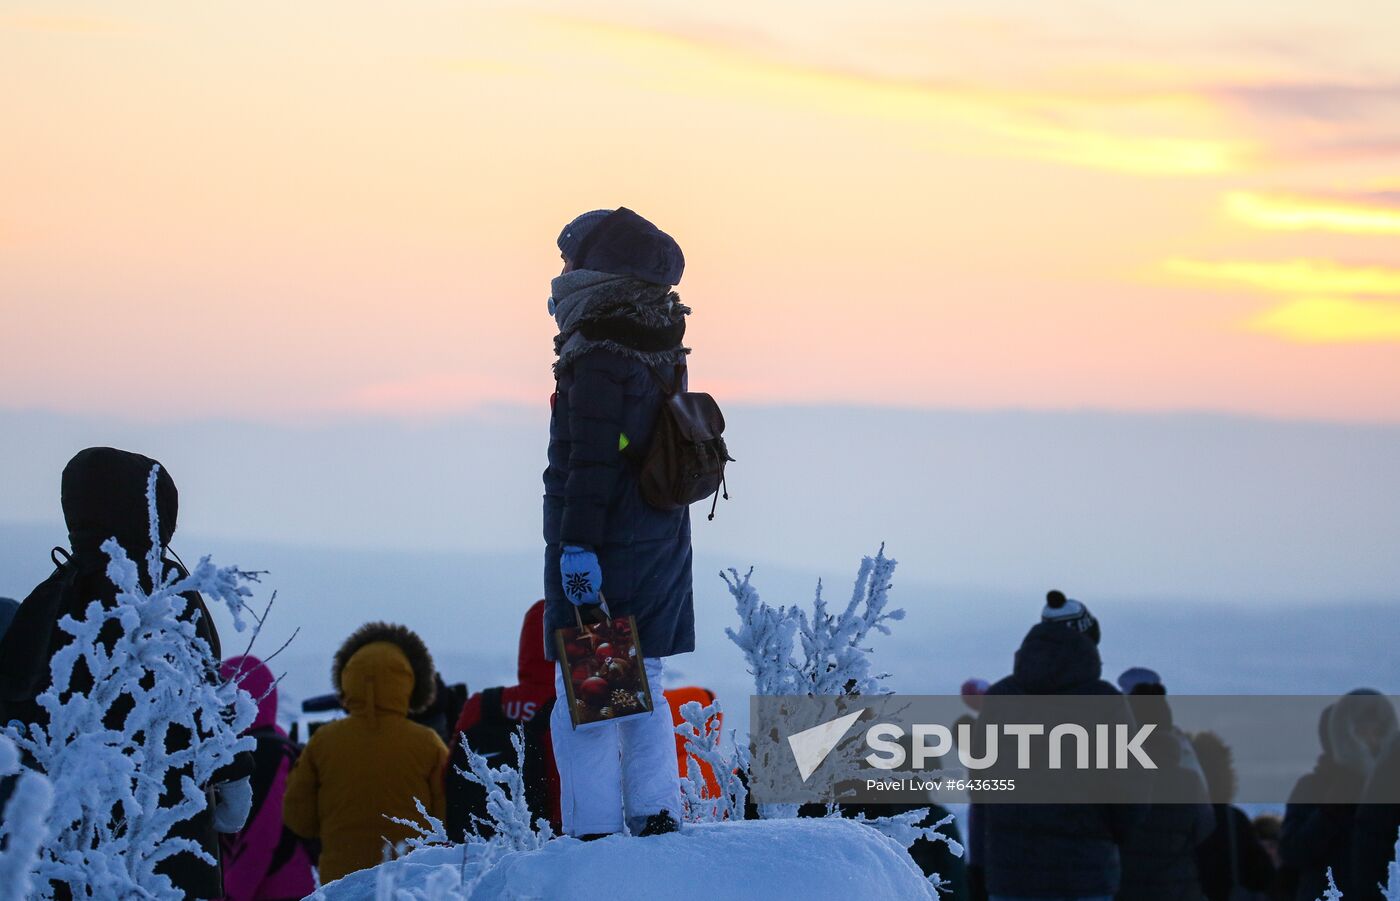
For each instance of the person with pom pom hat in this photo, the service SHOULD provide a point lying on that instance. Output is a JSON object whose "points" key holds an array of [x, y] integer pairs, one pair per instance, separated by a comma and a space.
{"points": [[1062, 851], [1071, 613]]}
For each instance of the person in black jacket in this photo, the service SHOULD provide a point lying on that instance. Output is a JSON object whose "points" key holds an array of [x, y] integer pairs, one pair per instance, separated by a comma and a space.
{"points": [[1233, 856], [8, 606], [104, 496], [1060, 851], [1317, 834], [619, 353], [1159, 857]]}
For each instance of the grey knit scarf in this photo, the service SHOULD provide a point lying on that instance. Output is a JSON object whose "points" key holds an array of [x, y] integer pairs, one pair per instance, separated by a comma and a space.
{"points": [[582, 298]]}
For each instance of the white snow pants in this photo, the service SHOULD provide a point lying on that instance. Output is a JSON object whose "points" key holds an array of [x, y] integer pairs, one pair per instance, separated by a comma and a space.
{"points": [[609, 770]]}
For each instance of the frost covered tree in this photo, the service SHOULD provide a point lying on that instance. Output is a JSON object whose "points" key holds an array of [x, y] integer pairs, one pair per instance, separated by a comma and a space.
{"points": [[25, 823], [835, 658], [704, 747], [136, 723], [793, 652]]}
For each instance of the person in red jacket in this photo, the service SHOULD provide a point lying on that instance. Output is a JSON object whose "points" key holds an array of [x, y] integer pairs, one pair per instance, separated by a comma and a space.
{"points": [[488, 720]]}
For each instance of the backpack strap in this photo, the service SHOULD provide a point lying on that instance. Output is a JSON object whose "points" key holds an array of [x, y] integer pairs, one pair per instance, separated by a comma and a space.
{"points": [[672, 388]]}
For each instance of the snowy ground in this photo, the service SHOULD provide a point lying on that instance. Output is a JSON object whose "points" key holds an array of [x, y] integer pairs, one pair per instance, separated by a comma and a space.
{"points": [[810, 859]]}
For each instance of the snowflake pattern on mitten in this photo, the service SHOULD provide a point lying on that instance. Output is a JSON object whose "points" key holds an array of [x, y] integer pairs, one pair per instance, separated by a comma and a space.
{"points": [[578, 585]]}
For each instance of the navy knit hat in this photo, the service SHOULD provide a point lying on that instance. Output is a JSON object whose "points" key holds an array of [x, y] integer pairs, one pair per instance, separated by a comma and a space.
{"points": [[573, 234], [623, 243], [1068, 611]]}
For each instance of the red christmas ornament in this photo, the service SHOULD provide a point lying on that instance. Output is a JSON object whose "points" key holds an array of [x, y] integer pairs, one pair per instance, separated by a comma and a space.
{"points": [[594, 689]]}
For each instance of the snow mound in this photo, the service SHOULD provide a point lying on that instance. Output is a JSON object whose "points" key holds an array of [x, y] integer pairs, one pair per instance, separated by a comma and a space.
{"points": [[834, 859]]}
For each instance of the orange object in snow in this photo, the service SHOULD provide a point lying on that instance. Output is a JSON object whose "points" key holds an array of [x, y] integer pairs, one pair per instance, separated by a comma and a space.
{"points": [[704, 697]]}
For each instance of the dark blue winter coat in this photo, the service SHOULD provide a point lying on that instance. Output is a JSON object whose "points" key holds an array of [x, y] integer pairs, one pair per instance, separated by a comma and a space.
{"points": [[1159, 856], [592, 498], [1053, 850], [1374, 831]]}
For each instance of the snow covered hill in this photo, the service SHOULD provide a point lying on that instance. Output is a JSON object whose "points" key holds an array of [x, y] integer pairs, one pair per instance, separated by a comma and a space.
{"points": [[816, 860]]}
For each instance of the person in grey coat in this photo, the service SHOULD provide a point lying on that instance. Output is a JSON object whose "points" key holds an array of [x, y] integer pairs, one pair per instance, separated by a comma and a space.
{"points": [[620, 351]]}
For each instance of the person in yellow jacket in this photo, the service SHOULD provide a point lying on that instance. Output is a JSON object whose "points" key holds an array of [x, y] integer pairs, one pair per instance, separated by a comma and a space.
{"points": [[356, 771]]}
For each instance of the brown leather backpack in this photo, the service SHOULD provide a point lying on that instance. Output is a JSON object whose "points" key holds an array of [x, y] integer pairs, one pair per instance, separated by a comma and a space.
{"points": [[686, 460]]}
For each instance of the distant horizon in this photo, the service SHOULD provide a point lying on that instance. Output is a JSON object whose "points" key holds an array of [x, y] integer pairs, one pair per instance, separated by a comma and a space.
{"points": [[468, 608], [1146, 504], [309, 419]]}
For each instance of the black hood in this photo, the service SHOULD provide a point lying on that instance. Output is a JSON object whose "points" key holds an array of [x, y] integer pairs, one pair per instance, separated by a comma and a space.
{"points": [[104, 496], [1054, 659]]}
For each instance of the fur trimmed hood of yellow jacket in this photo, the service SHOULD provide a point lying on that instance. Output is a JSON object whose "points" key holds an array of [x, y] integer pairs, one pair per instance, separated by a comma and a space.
{"points": [[384, 666]]}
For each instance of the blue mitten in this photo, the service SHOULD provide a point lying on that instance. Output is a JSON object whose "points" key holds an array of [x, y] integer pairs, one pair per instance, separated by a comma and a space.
{"points": [[582, 576]]}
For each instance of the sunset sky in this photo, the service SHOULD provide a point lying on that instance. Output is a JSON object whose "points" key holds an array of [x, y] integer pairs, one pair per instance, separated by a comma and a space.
{"points": [[318, 210]]}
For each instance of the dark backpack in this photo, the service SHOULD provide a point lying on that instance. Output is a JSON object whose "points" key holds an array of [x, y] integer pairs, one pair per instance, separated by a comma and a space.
{"points": [[685, 462], [490, 737], [27, 648]]}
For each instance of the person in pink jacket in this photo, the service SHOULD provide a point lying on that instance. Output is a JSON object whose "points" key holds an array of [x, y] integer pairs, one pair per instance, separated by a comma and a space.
{"points": [[265, 861]]}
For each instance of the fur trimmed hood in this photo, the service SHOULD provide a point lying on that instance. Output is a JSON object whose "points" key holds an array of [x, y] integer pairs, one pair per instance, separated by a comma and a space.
{"points": [[420, 661]]}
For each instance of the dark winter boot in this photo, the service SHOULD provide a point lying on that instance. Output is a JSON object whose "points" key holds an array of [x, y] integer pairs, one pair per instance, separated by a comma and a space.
{"points": [[660, 824]]}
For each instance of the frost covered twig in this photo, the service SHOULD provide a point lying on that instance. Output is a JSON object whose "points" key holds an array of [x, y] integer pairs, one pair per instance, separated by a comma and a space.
{"points": [[430, 832], [508, 813], [25, 821], [765, 636], [1331, 893], [906, 829], [1392, 884], [700, 727]]}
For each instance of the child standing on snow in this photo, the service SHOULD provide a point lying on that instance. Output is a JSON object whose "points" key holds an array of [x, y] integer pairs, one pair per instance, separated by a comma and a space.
{"points": [[373, 764], [620, 331]]}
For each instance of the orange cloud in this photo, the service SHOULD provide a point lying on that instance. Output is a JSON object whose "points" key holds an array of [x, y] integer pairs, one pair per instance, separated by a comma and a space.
{"points": [[1294, 276], [1326, 320], [1144, 132], [1283, 213]]}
